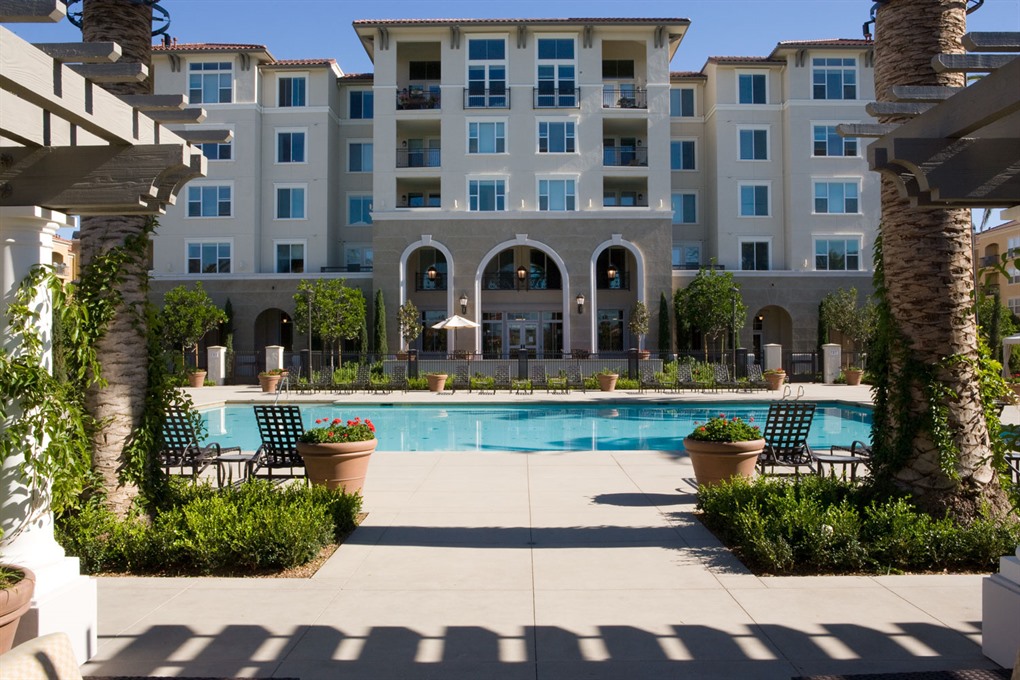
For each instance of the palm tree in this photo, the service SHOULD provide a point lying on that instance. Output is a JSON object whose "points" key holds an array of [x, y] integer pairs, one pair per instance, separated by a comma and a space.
{"points": [[931, 436], [118, 407]]}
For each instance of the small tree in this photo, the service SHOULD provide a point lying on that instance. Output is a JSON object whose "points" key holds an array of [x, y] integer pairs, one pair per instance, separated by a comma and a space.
{"points": [[409, 320], [379, 340], [337, 312], [187, 315], [638, 322], [707, 304], [841, 313], [664, 329]]}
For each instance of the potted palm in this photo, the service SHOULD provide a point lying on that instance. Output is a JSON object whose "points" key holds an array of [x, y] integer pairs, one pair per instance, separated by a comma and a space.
{"points": [[775, 377], [722, 447], [336, 453]]}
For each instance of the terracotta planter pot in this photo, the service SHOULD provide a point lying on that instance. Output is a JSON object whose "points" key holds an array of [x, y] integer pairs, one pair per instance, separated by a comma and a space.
{"points": [[14, 602], [775, 380], [337, 465], [196, 378], [607, 383], [717, 461], [644, 354], [437, 383], [853, 377], [269, 383]]}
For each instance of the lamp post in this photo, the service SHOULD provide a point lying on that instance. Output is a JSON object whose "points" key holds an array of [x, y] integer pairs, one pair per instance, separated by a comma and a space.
{"points": [[311, 299], [734, 292]]}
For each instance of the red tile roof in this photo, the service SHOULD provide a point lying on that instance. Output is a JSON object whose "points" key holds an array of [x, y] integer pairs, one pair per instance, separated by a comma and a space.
{"points": [[208, 47], [827, 42], [687, 74], [575, 20], [302, 62], [743, 60], [357, 76]]}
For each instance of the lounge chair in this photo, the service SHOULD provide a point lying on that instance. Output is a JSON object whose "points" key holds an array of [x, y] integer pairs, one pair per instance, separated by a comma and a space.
{"points": [[398, 378], [722, 378], [646, 379], [857, 454], [574, 378], [279, 428], [501, 380], [755, 378], [685, 378], [181, 449], [537, 378], [461, 378], [786, 434], [362, 381]]}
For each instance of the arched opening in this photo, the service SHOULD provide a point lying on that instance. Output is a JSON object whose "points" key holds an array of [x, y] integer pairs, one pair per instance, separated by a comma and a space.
{"points": [[274, 327], [428, 271], [770, 325], [616, 275]]}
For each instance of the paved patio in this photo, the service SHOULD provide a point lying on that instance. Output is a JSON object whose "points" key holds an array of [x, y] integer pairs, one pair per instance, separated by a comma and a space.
{"points": [[539, 565]]}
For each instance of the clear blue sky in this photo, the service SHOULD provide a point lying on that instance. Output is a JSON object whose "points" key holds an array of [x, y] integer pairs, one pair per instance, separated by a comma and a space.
{"points": [[299, 29]]}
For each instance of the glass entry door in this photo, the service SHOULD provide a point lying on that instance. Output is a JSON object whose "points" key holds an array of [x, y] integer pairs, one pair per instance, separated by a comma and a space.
{"points": [[523, 334]]}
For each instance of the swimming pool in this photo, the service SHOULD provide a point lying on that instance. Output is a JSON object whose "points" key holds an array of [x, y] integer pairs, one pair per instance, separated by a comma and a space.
{"points": [[538, 427]]}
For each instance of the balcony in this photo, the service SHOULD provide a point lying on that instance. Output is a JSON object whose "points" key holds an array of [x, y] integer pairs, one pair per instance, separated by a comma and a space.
{"points": [[550, 97], [496, 97], [619, 282], [418, 158], [624, 156], [353, 267], [422, 282], [419, 98], [624, 98]]}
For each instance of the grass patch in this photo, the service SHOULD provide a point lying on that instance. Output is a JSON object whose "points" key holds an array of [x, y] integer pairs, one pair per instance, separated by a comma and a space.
{"points": [[816, 525], [253, 529]]}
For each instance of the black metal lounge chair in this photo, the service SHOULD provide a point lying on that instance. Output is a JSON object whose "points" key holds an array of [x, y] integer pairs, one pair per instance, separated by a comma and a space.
{"points": [[574, 378], [362, 380], [461, 378], [398, 378], [685, 378], [755, 378], [537, 378], [501, 380], [181, 449], [857, 454], [279, 428], [786, 435], [723, 381], [646, 379]]}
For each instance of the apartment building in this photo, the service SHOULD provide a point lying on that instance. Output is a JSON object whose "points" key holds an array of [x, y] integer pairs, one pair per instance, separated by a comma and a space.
{"points": [[989, 247], [537, 176]]}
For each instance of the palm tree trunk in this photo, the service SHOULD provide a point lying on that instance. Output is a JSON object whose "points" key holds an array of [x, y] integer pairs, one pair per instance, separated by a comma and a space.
{"points": [[922, 249], [118, 407]]}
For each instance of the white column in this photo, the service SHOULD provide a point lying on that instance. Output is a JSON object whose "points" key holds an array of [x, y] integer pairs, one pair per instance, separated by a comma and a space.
{"points": [[64, 600], [832, 362], [1000, 612], [274, 357], [216, 360], [773, 356]]}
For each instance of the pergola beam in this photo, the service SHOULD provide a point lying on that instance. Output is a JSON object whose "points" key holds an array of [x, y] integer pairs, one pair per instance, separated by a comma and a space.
{"points": [[991, 41], [155, 102], [178, 117], [923, 93], [31, 11], [81, 53], [969, 63], [205, 135], [128, 72]]}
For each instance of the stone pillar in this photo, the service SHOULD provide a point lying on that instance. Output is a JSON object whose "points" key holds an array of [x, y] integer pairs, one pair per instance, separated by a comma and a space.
{"points": [[274, 357], [773, 356], [1000, 603], [832, 362], [64, 600], [216, 360]]}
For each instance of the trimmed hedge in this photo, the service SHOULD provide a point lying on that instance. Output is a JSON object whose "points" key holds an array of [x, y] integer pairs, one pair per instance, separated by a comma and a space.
{"points": [[254, 528], [828, 526]]}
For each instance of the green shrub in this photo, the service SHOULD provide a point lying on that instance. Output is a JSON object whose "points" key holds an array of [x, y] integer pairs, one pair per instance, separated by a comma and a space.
{"points": [[256, 527], [825, 525]]}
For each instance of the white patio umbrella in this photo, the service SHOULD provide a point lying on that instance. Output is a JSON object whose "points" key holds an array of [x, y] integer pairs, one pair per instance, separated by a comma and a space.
{"points": [[452, 324]]}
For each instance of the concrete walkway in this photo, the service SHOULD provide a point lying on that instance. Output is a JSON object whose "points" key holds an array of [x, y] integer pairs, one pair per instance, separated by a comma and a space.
{"points": [[538, 565]]}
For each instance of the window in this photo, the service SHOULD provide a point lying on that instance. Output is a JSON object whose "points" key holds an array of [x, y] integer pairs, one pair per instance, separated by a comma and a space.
{"points": [[208, 258], [424, 70], [291, 91], [556, 73], [681, 154], [362, 104], [686, 255], [487, 73], [834, 78], [681, 102], [208, 200], [625, 199], [754, 255], [290, 258], [556, 194], [556, 137], [358, 258], [838, 254], [1014, 305], [614, 69], [685, 208], [610, 327], [211, 82], [754, 144], [836, 197], [486, 195], [487, 137], [360, 157], [290, 203], [828, 143], [218, 151], [290, 147], [752, 88], [754, 200], [359, 210], [423, 199]]}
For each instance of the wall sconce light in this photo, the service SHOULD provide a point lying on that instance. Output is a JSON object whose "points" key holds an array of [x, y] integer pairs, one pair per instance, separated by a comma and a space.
{"points": [[640, 197], [639, 142], [612, 271], [431, 273], [403, 199], [522, 273], [761, 317], [404, 144], [580, 303], [463, 303]]}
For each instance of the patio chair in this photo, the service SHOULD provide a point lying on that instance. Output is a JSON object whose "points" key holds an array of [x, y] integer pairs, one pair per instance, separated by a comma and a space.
{"points": [[786, 434], [181, 449], [755, 378], [1013, 461], [685, 378], [279, 428], [857, 454], [537, 378], [723, 380], [461, 378], [501, 379], [398, 378], [647, 380], [574, 378]]}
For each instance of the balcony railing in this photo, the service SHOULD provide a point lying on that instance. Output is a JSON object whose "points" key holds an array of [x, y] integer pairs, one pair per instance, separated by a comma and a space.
{"points": [[624, 98], [510, 281], [499, 281], [619, 282], [423, 282], [688, 266], [989, 261], [621, 156], [496, 97], [353, 267], [562, 97], [418, 158], [414, 98]]}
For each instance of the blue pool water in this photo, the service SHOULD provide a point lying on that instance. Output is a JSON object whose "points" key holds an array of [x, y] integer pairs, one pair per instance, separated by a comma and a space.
{"points": [[538, 427]]}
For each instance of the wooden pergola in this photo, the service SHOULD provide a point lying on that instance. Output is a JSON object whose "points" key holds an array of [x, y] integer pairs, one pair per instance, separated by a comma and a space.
{"points": [[68, 144]]}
